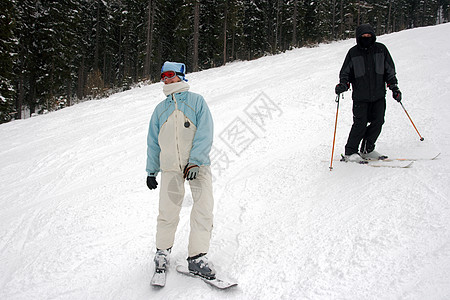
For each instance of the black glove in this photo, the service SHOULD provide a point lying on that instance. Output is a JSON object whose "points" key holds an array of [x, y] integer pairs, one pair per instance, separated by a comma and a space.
{"points": [[151, 182], [342, 87], [396, 94], [191, 171]]}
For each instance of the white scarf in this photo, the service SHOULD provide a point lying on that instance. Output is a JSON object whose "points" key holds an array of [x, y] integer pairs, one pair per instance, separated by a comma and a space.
{"points": [[175, 87]]}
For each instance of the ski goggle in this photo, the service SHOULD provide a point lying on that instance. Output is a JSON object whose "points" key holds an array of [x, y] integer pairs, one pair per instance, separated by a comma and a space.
{"points": [[169, 75]]}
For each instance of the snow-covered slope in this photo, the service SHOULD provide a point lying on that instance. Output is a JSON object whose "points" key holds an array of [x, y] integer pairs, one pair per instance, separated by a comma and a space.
{"points": [[78, 222]]}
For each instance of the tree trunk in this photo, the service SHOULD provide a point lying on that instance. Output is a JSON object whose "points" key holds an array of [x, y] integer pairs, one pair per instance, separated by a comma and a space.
{"points": [[118, 78], [19, 102], [148, 52], [341, 16], [359, 13], [80, 85], [68, 92], [425, 14], [196, 34], [333, 34], [389, 17], [225, 34], [232, 43], [97, 37], [294, 24], [277, 26]]}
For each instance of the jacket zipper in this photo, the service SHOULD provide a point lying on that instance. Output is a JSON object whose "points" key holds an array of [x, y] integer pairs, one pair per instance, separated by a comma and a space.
{"points": [[370, 67], [176, 132]]}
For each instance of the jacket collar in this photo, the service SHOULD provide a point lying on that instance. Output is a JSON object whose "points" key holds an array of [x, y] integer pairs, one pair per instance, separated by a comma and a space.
{"points": [[181, 96], [175, 87]]}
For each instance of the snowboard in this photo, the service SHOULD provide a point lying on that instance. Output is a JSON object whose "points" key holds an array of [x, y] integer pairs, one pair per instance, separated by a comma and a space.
{"points": [[217, 283], [159, 279]]}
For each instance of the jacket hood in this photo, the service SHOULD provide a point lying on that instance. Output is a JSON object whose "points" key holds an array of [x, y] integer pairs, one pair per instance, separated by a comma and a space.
{"points": [[362, 29]]}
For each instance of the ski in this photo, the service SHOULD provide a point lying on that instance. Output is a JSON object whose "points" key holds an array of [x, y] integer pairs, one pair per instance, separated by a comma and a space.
{"points": [[434, 157], [413, 159], [390, 164], [382, 163], [159, 278], [217, 283]]}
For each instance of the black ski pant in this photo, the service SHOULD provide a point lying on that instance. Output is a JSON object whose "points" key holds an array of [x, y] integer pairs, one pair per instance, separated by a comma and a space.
{"points": [[368, 119]]}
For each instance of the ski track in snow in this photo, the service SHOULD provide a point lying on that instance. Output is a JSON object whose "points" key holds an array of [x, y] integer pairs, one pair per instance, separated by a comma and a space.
{"points": [[78, 222]]}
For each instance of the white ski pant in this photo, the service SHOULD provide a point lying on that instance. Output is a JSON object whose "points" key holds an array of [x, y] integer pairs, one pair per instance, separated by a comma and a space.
{"points": [[170, 202]]}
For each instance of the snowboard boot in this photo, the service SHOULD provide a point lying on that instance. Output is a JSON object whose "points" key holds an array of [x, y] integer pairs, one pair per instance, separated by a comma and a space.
{"points": [[199, 265], [355, 157], [373, 155], [161, 260]]}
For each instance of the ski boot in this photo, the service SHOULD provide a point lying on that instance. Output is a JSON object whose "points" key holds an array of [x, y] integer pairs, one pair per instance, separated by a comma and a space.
{"points": [[355, 157], [199, 265], [161, 260], [373, 155]]}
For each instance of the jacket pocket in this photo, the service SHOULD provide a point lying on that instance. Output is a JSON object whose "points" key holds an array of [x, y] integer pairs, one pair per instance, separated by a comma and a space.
{"points": [[358, 66], [379, 63]]}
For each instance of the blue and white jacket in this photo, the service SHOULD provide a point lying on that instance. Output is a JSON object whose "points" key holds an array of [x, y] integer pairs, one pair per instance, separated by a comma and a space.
{"points": [[180, 131]]}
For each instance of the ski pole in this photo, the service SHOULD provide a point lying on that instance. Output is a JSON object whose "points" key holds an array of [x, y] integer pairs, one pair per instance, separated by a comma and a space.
{"points": [[334, 136], [421, 138]]}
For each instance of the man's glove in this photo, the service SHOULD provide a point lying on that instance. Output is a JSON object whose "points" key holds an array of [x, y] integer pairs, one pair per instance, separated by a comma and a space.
{"points": [[342, 87], [151, 182], [190, 171], [396, 94]]}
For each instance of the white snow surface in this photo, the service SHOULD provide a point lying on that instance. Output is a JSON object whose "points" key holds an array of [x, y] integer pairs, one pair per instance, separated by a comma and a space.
{"points": [[78, 222]]}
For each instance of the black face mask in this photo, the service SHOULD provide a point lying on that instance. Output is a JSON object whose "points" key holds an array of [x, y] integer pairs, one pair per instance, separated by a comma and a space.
{"points": [[366, 42]]}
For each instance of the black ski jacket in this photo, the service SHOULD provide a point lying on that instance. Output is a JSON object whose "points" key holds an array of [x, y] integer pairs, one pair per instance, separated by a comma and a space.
{"points": [[368, 68]]}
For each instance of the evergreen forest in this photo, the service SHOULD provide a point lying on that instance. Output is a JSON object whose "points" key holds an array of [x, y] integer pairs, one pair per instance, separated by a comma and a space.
{"points": [[54, 53]]}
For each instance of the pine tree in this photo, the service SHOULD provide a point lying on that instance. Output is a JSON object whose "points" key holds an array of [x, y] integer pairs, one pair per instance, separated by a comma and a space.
{"points": [[211, 37], [235, 29], [150, 24], [255, 30], [56, 49], [7, 52]]}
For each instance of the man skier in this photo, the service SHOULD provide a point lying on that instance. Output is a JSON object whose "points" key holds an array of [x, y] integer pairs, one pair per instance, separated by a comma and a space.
{"points": [[368, 66], [179, 141]]}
